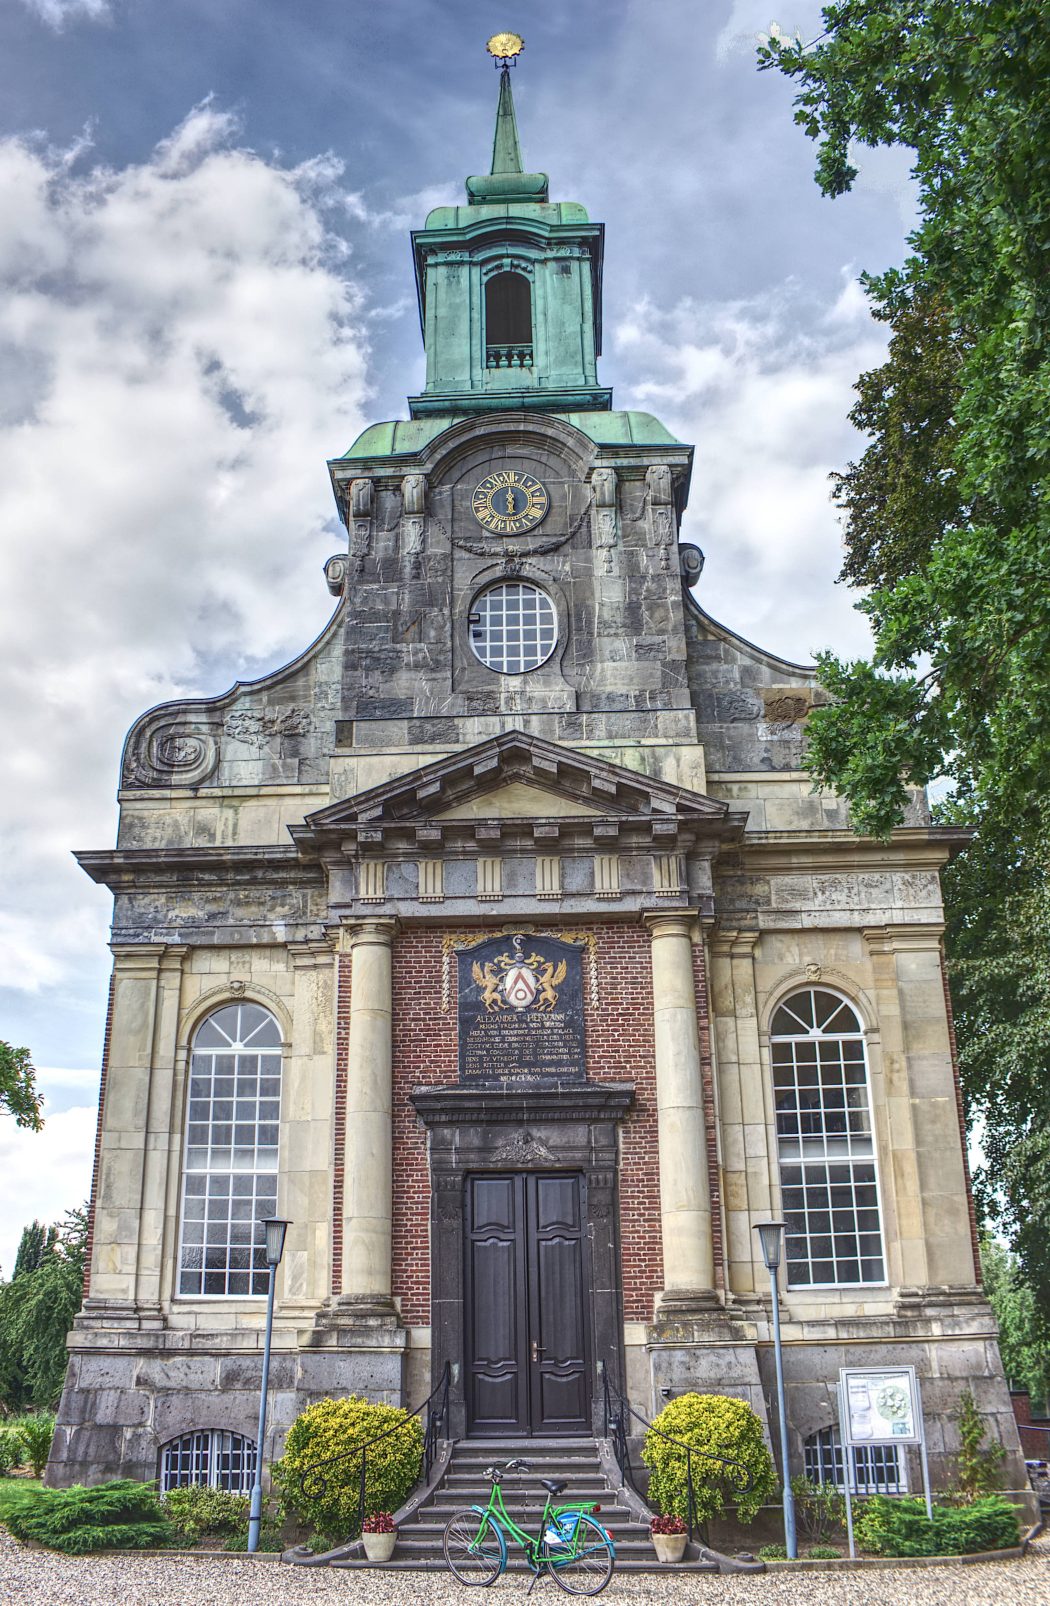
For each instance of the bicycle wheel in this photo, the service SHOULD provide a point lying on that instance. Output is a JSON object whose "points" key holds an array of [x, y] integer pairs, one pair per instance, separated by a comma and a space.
{"points": [[585, 1564], [474, 1547]]}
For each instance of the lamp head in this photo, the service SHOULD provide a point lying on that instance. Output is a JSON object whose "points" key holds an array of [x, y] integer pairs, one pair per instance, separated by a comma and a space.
{"points": [[275, 1230], [771, 1234]]}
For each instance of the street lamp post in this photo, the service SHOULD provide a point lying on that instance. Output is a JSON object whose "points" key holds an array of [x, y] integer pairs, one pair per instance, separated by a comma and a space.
{"points": [[275, 1230], [771, 1234]]}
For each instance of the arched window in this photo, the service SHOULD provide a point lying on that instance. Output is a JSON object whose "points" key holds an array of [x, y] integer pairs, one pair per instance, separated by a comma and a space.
{"points": [[508, 321], [230, 1172], [876, 1468], [825, 1143], [214, 1459]]}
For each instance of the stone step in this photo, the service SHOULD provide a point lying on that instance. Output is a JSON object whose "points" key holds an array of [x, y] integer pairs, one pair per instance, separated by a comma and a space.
{"points": [[432, 1564]]}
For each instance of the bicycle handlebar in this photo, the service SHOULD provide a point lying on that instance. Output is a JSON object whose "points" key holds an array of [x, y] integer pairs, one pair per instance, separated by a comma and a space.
{"points": [[495, 1473]]}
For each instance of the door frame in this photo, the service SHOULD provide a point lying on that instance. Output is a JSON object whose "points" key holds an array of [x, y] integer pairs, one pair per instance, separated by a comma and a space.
{"points": [[533, 1129], [527, 1280]]}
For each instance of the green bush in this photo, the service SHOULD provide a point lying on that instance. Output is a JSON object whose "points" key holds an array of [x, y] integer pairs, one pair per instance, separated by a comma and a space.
{"points": [[11, 1451], [900, 1527], [979, 1465], [772, 1553], [331, 1428], [823, 1553], [196, 1512], [820, 1508], [723, 1426], [122, 1515], [36, 1433]]}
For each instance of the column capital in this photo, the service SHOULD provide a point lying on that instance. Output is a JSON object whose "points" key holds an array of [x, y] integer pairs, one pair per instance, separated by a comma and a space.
{"points": [[671, 923], [907, 936], [305, 955], [138, 958], [375, 931], [733, 942]]}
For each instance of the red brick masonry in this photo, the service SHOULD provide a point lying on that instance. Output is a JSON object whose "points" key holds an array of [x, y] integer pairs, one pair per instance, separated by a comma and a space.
{"points": [[619, 1048]]}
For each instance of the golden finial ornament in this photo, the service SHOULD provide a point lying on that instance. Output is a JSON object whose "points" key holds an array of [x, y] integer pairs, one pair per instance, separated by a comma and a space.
{"points": [[505, 46]]}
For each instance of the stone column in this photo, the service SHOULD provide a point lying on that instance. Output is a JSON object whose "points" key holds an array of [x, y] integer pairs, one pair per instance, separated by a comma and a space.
{"points": [[161, 1155], [124, 1124], [746, 1116], [685, 1198], [368, 1197]]}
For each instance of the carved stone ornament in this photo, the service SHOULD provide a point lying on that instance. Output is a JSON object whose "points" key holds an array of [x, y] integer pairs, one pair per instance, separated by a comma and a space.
{"points": [[524, 1148], [335, 573], [413, 521], [171, 751], [414, 493], [606, 517], [813, 970], [361, 503], [662, 527]]}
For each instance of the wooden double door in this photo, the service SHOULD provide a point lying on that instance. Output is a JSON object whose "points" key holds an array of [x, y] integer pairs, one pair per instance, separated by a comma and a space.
{"points": [[527, 1327]]}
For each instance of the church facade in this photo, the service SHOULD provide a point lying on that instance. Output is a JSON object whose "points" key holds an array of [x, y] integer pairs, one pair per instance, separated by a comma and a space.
{"points": [[499, 944]]}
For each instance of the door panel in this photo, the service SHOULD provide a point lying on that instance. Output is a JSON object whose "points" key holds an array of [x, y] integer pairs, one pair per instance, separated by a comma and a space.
{"points": [[527, 1351]]}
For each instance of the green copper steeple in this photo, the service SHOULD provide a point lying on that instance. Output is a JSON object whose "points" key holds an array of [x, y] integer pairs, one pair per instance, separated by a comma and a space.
{"points": [[507, 180], [509, 292]]}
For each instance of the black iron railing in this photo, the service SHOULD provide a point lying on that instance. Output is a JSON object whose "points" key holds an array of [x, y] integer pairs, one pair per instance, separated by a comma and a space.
{"points": [[314, 1481], [617, 1413]]}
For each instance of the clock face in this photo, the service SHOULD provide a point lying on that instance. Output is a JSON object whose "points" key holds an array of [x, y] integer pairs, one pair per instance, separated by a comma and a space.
{"points": [[509, 502]]}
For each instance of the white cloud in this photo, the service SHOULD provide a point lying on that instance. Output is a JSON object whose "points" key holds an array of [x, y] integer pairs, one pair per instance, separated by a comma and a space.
{"points": [[56, 13], [763, 386], [43, 1174], [179, 347]]}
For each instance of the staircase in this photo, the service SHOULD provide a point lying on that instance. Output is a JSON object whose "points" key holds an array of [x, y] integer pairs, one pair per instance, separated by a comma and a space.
{"points": [[574, 1460]]}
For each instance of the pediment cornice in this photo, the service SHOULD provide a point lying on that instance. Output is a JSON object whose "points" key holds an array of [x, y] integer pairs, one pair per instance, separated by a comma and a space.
{"points": [[516, 788]]}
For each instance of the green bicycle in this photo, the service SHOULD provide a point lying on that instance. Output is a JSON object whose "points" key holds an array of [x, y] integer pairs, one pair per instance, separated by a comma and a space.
{"points": [[571, 1545]]}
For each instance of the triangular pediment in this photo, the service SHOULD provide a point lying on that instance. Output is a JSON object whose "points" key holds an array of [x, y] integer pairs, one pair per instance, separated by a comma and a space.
{"points": [[520, 778], [516, 800]]}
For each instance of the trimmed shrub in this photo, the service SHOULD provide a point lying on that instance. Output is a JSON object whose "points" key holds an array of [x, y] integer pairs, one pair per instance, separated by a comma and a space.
{"points": [[900, 1527], [823, 1553], [328, 1504], [36, 1433], [196, 1512], [722, 1426], [121, 1515], [773, 1553]]}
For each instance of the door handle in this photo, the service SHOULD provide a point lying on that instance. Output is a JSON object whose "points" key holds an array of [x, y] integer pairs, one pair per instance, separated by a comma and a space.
{"points": [[537, 1351]]}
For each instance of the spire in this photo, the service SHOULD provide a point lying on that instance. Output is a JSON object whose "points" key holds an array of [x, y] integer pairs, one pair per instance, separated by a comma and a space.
{"points": [[506, 182], [506, 151]]}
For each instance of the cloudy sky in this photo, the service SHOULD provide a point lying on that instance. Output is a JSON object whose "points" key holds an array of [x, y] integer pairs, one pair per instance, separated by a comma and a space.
{"points": [[206, 290]]}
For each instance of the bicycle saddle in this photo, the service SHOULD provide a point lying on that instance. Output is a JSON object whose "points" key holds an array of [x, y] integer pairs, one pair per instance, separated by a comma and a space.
{"points": [[553, 1487]]}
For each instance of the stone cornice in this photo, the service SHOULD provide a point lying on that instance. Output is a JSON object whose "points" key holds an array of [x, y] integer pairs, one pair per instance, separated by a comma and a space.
{"points": [[910, 847], [457, 1105], [141, 869]]}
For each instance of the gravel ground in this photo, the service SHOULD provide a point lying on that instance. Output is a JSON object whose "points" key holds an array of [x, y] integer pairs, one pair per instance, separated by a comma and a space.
{"points": [[41, 1578]]}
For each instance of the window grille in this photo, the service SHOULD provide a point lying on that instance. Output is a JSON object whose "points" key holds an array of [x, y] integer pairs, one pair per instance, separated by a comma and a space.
{"points": [[826, 1148], [877, 1468], [215, 1459], [230, 1171], [513, 627]]}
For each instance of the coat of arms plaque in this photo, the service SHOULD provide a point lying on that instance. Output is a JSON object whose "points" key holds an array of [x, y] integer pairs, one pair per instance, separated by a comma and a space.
{"points": [[521, 1010]]}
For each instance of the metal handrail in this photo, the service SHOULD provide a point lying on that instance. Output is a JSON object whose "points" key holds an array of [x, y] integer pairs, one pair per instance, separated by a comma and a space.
{"points": [[616, 1433], [313, 1484]]}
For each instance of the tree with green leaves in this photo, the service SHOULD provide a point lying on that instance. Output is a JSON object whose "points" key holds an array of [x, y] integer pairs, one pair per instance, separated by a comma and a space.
{"points": [[947, 523], [37, 1308], [18, 1094], [36, 1242], [1023, 1341]]}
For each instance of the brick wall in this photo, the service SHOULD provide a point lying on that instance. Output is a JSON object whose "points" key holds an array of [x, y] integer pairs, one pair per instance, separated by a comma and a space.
{"points": [[619, 1048]]}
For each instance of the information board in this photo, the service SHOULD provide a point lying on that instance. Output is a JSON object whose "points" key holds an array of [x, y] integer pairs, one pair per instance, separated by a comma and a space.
{"points": [[880, 1406]]}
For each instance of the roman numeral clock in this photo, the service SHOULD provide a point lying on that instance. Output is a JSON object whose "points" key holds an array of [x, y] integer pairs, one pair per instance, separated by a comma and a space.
{"points": [[509, 502]]}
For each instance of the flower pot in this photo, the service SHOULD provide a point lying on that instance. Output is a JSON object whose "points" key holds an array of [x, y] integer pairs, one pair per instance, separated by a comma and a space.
{"points": [[379, 1547], [669, 1547]]}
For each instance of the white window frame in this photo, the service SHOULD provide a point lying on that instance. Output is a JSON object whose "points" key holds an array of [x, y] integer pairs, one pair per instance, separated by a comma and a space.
{"points": [[224, 1161], [851, 1152], [484, 617], [206, 1449], [825, 1446]]}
